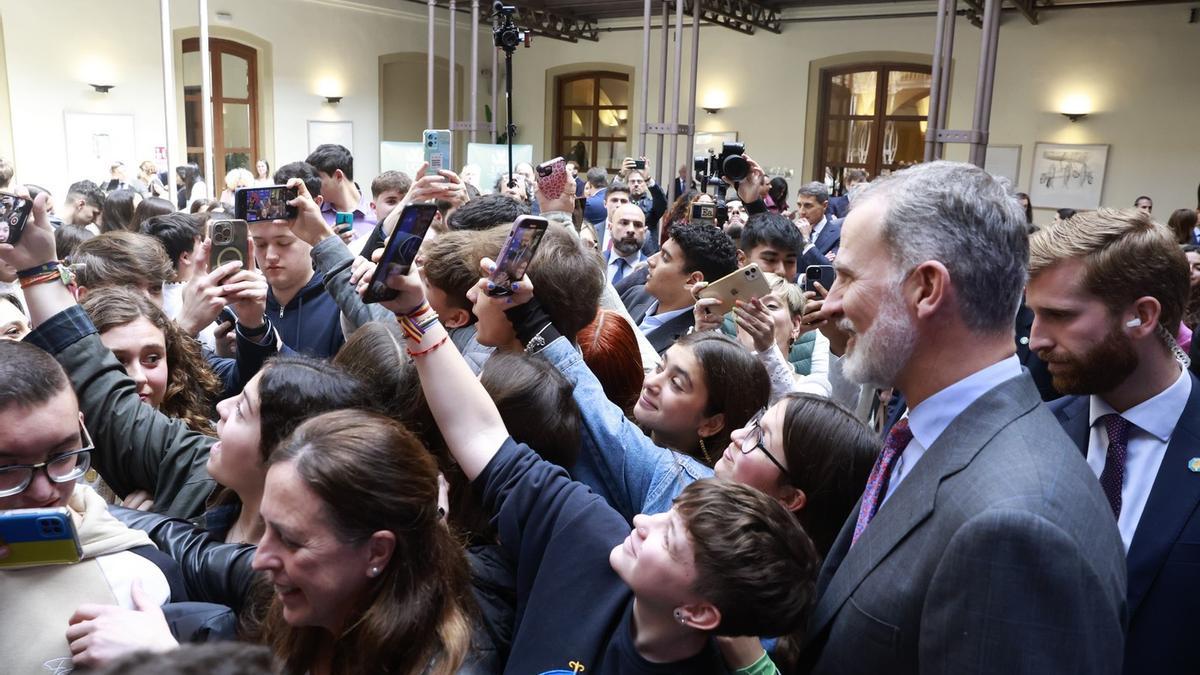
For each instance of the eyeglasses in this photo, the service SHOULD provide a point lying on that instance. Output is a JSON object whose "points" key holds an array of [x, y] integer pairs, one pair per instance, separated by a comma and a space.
{"points": [[754, 441], [64, 468]]}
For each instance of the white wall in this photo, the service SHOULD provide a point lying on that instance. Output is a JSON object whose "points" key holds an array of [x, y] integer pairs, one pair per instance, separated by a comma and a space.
{"points": [[1138, 65]]}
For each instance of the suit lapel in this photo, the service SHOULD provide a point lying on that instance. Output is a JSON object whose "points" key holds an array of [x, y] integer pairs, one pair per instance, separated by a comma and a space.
{"points": [[913, 500], [665, 335], [1073, 415], [1173, 500], [829, 234]]}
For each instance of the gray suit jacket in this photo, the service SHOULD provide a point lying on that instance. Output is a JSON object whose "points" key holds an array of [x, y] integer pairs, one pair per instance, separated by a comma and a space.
{"points": [[997, 554]]}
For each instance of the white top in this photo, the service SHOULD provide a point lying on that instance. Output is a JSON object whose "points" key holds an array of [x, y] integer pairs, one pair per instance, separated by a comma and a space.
{"points": [[929, 419], [652, 321], [1152, 423]]}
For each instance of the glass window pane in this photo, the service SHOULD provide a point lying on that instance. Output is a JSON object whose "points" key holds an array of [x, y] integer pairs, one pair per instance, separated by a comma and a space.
{"points": [[903, 143], [614, 123], [191, 69], [235, 77], [614, 92], [578, 151], [849, 141], [610, 153], [579, 92], [908, 93], [197, 158], [192, 122], [853, 93], [236, 125], [577, 122], [237, 160]]}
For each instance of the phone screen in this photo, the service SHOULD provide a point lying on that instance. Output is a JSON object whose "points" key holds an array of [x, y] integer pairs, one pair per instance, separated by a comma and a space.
{"points": [[267, 203], [14, 211], [401, 250], [518, 251]]}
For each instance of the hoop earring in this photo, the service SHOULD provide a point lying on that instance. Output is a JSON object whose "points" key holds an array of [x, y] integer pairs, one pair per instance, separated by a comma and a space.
{"points": [[704, 451]]}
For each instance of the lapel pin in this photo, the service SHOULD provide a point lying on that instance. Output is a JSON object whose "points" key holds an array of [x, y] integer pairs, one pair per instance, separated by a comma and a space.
{"points": [[1194, 465]]}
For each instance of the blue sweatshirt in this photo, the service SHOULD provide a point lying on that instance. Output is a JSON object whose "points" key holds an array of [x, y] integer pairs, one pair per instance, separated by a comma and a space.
{"points": [[572, 608], [311, 322]]}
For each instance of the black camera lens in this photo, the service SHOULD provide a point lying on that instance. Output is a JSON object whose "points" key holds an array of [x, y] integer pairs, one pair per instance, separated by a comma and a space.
{"points": [[735, 168]]}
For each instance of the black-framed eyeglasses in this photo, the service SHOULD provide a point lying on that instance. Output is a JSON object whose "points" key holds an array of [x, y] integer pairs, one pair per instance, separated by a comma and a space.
{"points": [[63, 468], [754, 441]]}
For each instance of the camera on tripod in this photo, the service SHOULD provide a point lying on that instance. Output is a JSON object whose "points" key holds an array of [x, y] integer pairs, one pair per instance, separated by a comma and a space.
{"points": [[729, 164], [506, 34]]}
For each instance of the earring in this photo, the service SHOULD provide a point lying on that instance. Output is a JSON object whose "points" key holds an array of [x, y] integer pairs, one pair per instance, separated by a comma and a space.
{"points": [[374, 571], [679, 616], [704, 451]]}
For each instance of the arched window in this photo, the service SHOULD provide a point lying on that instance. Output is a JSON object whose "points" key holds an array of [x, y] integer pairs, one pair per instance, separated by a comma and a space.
{"points": [[873, 117], [235, 107], [591, 119]]}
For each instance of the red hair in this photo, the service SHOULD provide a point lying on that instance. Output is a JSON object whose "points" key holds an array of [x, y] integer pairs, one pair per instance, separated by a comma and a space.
{"points": [[610, 349]]}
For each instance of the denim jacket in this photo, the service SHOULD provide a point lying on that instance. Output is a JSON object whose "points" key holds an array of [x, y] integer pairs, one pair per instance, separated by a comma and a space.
{"points": [[618, 461]]}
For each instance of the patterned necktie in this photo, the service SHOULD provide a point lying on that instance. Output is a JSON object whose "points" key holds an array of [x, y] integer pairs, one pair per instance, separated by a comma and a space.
{"points": [[1112, 478], [621, 265], [881, 473]]}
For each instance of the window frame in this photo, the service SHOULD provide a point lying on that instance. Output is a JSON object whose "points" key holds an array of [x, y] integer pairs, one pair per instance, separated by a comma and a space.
{"points": [[592, 141], [217, 47]]}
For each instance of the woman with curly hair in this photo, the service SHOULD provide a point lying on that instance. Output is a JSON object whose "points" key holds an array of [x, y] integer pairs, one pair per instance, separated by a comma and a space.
{"points": [[168, 368], [679, 213]]}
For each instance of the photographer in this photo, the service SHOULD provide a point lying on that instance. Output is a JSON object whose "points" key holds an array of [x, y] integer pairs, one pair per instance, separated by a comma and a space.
{"points": [[644, 192]]}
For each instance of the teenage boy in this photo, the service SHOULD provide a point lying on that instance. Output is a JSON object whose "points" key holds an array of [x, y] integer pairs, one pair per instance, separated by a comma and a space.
{"points": [[449, 272], [335, 166], [82, 205], [178, 234], [593, 596]]}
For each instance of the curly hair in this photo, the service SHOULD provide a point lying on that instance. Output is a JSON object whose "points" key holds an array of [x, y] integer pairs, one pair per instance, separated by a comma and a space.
{"points": [[192, 387]]}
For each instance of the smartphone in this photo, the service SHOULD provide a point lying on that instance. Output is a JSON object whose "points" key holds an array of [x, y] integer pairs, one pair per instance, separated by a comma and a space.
{"points": [[226, 316], [552, 178], [437, 150], [343, 222], [37, 537], [230, 241], [743, 284], [264, 203], [821, 273], [400, 250], [14, 211], [639, 164], [519, 249]]}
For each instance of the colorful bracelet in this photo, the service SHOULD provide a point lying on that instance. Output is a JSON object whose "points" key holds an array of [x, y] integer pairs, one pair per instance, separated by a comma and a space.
{"points": [[40, 270], [423, 352], [414, 328], [48, 273]]}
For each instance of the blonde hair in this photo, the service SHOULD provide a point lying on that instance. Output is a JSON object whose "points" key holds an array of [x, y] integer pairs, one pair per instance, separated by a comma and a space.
{"points": [[789, 293], [238, 178], [1126, 256]]}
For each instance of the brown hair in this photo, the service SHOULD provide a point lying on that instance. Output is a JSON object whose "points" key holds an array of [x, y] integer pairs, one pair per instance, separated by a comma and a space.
{"points": [[452, 261], [737, 382], [391, 180], [191, 384], [753, 561], [1126, 255], [535, 402], [1183, 222], [610, 350], [567, 280], [371, 474], [122, 259]]}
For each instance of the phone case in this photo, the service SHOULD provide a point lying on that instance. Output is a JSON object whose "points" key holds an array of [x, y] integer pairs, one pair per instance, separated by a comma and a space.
{"points": [[518, 251], [437, 150], [400, 251], [825, 274], [552, 177], [229, 243], [264, 203], [743, 284], [14, 211], [37, 537], [343, 222]]}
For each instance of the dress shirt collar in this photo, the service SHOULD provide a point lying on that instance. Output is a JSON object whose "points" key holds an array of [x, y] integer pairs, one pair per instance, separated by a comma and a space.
{"points": [[1158, 415], [652, 320], [929, 419]]}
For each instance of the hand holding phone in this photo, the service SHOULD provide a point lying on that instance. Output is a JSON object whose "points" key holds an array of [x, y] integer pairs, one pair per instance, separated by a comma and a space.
{"points": [[14, 212], [552, 178], [400, 251], [518, 251], [743, 284], [437, 150], [36, 537], [264, 203], [819, 273], [230, 242]]}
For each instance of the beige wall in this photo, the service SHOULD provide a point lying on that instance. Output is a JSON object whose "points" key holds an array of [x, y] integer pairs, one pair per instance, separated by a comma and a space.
{"points": [[1138, 65]]}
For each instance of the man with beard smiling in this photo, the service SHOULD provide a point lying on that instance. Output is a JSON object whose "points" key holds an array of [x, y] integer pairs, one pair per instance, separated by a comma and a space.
{"points": [[982, 542], [1108, 290], [628, 227]]}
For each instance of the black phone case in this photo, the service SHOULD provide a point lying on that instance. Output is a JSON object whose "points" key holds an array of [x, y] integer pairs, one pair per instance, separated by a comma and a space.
{"points": [[240, 208]]}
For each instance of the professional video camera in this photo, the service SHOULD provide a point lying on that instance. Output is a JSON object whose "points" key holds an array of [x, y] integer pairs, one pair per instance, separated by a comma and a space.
{"points": [[729, 164], [506, 34]]}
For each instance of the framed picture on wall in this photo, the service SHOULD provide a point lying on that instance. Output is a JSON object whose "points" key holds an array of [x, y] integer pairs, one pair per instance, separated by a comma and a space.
{"points": [[1004, 161], [1067, 176]]}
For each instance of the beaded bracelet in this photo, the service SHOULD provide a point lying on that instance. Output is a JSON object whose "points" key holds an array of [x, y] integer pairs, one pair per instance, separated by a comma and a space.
{"points": [[423, 352]]}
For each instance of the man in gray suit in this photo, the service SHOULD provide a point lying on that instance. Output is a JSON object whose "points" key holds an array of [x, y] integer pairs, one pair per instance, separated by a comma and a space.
{"points": [[983, 542]]}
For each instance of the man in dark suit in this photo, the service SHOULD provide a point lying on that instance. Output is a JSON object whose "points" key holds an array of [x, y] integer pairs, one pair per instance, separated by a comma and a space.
{"points": [[627, 227], [1108, 289], [662, 308], [839, 206], [982, 543], [818, 229]]}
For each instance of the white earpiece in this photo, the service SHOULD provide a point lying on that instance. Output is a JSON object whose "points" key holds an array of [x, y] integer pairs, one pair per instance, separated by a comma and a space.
{"points": [[1133, 323]]}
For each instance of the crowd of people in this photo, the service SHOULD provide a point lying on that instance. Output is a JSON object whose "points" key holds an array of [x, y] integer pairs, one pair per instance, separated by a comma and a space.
{"points": [[973, 452]]}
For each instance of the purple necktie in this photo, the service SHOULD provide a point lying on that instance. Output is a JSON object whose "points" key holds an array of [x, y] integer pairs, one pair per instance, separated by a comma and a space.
{"points": [[1112, 478], [881, 473]]}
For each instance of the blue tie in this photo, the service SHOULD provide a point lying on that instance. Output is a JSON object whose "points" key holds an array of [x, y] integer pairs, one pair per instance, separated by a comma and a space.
{"points": [[621, 265]]}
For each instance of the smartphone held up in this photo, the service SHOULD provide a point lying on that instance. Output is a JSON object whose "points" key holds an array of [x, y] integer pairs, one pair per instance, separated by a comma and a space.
{"points": [[518, 251], [400, 251]]}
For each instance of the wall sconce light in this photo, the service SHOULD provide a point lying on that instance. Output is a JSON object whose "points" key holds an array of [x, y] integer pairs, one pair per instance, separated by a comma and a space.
{"points": [[1074, 116], [1076, 107], [333, 100], [712, 111], [101, 88], [714, 101]]}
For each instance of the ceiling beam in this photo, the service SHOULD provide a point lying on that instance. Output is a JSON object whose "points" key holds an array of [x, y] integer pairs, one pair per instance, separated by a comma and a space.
{"points": [[557, 26], [743, 16], [1028, 9]]}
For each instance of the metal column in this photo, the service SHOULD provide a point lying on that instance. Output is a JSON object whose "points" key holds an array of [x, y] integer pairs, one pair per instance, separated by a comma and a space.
{"points": [[645, 111], [691, 130], [678, 81], [172, 122], [932, 123], [987, 79], [951, 20], [662, 91], [474, 68], [495, 76], [429, 70], [450, 60], [207, 97]]}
